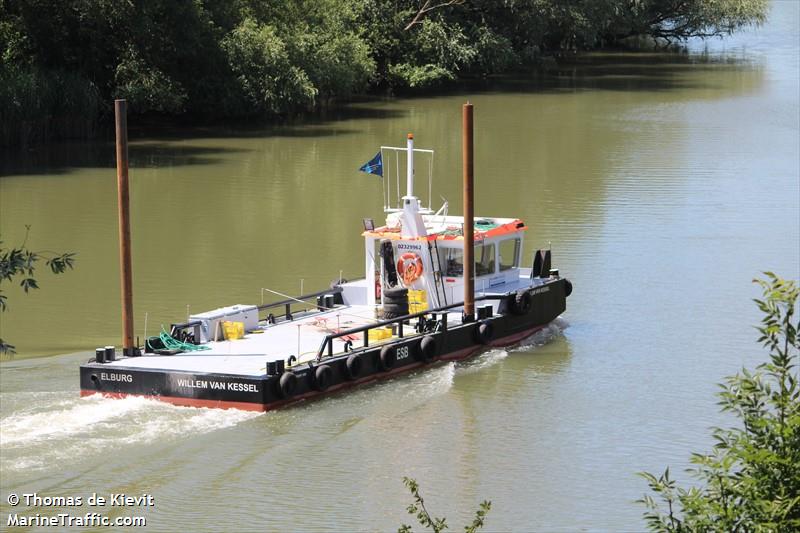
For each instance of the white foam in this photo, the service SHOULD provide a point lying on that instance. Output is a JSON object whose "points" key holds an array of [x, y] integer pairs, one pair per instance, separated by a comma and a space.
{"points": [[545, 335], [482, 361], [47, 427], [442, 379], [492, 357], [185, 420], [425, 383], [64, 418]]}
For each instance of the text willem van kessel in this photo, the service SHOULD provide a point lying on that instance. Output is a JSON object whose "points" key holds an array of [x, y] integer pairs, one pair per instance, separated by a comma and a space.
{"points": [[236, 386]]}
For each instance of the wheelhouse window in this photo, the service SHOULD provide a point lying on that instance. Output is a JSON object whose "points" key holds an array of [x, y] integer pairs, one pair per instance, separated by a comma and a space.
{"points": [[509, 254], [484, 259], [452, 260]]}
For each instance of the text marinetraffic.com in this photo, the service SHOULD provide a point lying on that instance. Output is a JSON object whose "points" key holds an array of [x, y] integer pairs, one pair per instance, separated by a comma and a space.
{"points": [[93, 518]]}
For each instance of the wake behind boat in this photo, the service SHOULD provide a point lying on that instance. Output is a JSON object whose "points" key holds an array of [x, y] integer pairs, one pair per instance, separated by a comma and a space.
{"points": [[436, 287]]}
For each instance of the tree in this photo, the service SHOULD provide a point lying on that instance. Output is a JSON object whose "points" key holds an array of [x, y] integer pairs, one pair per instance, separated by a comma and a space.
{"points": [[61, 61], [146, 88], [679, 21], [260, 61], [437, 525], [430, 5], [20, 263], [751, 478]]}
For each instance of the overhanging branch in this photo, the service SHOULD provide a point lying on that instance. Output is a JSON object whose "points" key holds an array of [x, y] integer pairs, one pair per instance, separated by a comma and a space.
{"points": [[427, 7]]}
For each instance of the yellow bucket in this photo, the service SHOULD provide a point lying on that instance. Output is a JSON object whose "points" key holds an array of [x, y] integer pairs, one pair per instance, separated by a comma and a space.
{"points": [[233, 330]]}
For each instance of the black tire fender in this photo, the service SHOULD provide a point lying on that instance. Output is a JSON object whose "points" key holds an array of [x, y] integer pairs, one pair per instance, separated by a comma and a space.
{"points": [[387, 358], [354, 366], [427, 348], [323, 377], [484, 332], [396, 294], [396, 308], [287, 384], [567, 287]]}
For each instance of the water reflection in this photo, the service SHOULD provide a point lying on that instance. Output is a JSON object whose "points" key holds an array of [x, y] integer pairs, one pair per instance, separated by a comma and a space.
{"points": [[155, 144]]}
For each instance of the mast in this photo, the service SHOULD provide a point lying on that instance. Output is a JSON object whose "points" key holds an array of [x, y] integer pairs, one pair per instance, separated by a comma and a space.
{"points": [[410, 165], [412, 225], [469, 226]]}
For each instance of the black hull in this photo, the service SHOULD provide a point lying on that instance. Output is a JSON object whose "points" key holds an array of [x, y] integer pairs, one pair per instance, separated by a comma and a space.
{"points": [[263, 393]]}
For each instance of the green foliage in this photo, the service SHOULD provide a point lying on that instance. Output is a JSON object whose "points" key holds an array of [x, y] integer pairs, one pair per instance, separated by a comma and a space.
{"points": [[145, 87], [20, 263], [444, 45], [37, 104], [325, 41], [338, 65], [260, 61], [493, 52], [418, 76], [437, 525], [267, 57], [751, 478], [697, 18]]}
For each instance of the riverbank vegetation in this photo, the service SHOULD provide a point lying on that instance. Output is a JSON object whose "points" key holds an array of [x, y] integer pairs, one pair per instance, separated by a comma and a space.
{"points": [[64, 60], [751, 478]]}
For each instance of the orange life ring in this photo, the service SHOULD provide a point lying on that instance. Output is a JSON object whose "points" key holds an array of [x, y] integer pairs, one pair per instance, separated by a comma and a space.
{"points": [[409, 267]]}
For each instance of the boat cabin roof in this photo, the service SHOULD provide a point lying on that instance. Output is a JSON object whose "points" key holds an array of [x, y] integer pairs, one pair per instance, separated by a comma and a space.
{"points": [[451, 228]]}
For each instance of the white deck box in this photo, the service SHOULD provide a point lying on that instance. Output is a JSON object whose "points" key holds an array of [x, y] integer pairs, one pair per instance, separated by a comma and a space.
{"points": [[233, 313]]}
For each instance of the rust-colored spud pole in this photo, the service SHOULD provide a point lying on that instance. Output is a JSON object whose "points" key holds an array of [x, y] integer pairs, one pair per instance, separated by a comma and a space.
{"points": [[126, 273], [469, 215]]}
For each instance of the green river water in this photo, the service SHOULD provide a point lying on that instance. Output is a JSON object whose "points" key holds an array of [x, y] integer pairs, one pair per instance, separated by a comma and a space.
{"points": [[664, 183]]}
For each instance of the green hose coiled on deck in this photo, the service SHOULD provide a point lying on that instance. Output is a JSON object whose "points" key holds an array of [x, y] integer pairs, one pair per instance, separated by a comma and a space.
{"points": [[171, 343]]}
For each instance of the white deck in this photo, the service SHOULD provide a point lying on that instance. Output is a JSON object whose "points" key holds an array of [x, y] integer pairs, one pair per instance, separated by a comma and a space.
{"points": [[249, 355], [304, 335]]}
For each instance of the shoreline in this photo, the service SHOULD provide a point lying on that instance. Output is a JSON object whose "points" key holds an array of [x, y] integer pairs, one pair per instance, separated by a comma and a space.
{"points": [[535, 76]]}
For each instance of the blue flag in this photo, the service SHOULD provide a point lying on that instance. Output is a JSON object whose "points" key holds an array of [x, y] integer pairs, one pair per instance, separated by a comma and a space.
{"points": [[373, 166]]}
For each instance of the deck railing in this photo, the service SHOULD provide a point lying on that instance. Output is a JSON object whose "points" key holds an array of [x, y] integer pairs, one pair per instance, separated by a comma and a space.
{"points": [[194, 325], [327, 342], [287, 304]]}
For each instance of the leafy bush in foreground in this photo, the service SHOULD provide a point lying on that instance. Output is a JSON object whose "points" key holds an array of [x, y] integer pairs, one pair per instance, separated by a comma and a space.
{"points": [[751, 477]]}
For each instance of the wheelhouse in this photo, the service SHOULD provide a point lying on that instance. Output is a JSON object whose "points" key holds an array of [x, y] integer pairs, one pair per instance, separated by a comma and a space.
{"points": [[432, 266]]}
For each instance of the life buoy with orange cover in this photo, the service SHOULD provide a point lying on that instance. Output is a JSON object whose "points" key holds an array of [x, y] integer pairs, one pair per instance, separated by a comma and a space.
{"points": [[409, 266]]}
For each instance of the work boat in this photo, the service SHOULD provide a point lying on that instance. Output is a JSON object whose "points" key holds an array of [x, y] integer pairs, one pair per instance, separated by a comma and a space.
{"points": [[411, 310]]}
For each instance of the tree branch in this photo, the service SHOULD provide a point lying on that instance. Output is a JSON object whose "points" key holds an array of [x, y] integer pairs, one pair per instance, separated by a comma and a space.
{"points": [[426, 7]]}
